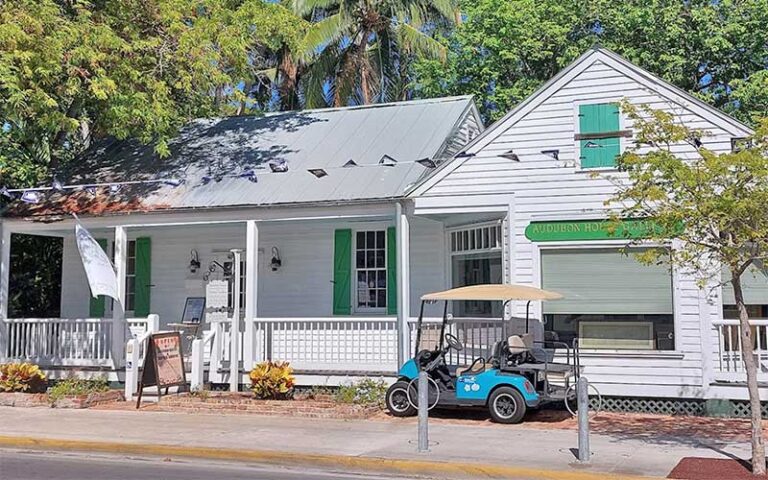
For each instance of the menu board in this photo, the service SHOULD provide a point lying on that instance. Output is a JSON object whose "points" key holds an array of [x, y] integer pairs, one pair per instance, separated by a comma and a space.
{"points": [[163, 363]]}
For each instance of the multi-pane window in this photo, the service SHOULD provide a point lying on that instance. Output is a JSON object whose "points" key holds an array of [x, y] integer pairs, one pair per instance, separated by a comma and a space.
{"points": [[371, 269], [130, 277]]}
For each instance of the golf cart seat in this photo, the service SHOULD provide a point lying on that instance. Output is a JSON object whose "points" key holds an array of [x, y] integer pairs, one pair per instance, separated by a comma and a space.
{"points": [[518, 344], [476, 368]]}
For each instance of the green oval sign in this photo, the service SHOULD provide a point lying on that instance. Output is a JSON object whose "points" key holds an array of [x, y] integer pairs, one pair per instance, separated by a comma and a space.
{"points": [[570, 230]]}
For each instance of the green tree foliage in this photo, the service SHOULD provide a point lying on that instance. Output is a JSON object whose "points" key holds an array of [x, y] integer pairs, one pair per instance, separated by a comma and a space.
{"points": [[72, 71], [361, 50], [713, 204], [505, 49]]}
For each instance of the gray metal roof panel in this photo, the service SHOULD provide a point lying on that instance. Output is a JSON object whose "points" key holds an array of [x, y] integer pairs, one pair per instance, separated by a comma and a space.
{"points": [[326, 139]]}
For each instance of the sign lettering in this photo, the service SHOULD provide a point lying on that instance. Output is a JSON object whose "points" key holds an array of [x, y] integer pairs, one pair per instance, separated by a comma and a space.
{"points": [[559, 231]]}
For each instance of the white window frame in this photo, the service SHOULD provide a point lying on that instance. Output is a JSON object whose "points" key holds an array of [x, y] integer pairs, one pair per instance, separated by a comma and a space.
{"points": [[623, 141], [110, 304], [356, 308], [537, 307]]}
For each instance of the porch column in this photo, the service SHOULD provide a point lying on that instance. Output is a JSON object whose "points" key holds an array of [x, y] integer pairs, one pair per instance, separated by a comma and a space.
{"points": [[251, 290], [118, 308], [5, 268], [403, 231]]}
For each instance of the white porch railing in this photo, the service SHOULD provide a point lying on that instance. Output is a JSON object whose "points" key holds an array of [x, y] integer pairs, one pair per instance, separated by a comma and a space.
{"points": [[359, 344], [729, 360], [59, 341]]}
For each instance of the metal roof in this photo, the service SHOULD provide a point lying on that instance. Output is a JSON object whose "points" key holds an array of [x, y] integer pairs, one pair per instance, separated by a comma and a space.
{"points": [[324, 139]]}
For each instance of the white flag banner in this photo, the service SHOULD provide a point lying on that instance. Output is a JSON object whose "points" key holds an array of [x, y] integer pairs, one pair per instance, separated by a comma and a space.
{"points": [[98, 267]]}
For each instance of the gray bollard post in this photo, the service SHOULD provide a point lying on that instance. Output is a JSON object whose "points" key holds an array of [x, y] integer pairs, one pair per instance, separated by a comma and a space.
{"points": [[423, 412], [582, 395]]}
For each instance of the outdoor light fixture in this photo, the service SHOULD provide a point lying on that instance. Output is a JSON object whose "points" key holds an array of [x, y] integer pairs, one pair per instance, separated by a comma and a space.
{"points": [[511, 155], [427, 162], [554, 154], [30, 196], [278, 166], [318, 172], [276, 263], [194, 261], [387, 161], [350, 163]]}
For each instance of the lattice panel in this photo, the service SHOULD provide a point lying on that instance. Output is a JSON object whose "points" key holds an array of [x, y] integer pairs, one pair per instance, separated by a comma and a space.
{"points": [[670, 406], [659, 406], [740, 408]]}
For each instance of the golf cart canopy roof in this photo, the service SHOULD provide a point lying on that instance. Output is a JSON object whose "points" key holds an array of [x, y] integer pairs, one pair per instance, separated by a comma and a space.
{"points": [[501, 292]]}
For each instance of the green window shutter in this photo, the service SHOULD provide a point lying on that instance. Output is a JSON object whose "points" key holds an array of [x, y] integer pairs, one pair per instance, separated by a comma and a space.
{"points": [[342, 272], [599, 118], [143, 280], [391, 271], [97, 306]]}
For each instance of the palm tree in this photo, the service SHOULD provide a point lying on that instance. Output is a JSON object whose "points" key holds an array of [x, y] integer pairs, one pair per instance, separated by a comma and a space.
{"points": [[359, 47]]}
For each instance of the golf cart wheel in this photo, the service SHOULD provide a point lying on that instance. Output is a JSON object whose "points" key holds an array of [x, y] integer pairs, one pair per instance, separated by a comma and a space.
{"points": [[506, 405], [397, 400]]}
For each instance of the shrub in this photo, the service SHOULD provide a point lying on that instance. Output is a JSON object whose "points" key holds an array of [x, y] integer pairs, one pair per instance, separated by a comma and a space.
{"points": [[76, 386], [21, 377], [363, 392], [272, 380]]}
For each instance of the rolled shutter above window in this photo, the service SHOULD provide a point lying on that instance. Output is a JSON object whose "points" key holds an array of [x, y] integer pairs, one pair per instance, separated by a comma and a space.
{"points": [[604, 281], [754, 286]]}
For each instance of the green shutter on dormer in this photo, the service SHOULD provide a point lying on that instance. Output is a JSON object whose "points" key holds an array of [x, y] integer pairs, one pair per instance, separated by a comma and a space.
{"points": [[595, 119], [97, 305]]}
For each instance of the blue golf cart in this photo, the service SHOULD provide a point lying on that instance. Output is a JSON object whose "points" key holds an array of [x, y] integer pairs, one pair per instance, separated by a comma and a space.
{"points": [[518, 373]]}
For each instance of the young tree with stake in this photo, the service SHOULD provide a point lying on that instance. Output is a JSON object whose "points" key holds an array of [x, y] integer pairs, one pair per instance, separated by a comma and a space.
{"points": [[714, 204]]}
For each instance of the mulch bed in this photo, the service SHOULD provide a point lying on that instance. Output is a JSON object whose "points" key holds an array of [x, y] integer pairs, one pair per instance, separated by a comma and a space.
{"points": [[244, 402], [18, 399], [695, 468]]}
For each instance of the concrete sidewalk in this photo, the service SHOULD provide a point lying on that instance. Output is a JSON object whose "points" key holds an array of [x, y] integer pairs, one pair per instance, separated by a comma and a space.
{"points": [[495, 450]]}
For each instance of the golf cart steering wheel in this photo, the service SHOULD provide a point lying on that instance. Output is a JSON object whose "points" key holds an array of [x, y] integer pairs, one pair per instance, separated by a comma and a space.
{"points": [[453, 342]]}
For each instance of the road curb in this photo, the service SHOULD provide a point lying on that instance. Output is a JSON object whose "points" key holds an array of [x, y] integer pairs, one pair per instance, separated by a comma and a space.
{"points": [[370, 464]]}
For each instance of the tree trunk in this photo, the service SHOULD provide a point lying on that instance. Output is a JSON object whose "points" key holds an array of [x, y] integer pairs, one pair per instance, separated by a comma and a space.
{"points": [[750, 364]]}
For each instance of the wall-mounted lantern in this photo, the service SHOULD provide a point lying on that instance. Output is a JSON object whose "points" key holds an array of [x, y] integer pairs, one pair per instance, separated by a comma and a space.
{"points": [[276, 263]]}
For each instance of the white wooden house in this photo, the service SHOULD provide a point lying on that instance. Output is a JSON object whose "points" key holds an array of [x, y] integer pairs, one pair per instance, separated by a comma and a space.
{"points": [[359, 243], [645, 331]]}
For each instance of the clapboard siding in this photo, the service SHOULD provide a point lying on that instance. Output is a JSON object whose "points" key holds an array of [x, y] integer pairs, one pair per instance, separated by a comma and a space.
{"points": [[543, 187], [300, 288]]}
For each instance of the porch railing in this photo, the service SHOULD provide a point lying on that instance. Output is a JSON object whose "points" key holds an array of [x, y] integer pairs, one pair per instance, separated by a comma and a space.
{"points": [[729, 359], [360, 344], [59, 341]]}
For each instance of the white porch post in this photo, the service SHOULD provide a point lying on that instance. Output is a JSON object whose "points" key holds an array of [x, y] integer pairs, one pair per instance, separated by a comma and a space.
{"points": [[234, 330], [118, 308], [402, 227], [5, 269], [251, 290]]}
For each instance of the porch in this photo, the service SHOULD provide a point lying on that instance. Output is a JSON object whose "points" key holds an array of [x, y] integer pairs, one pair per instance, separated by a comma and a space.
{"points": [[292, 312]]}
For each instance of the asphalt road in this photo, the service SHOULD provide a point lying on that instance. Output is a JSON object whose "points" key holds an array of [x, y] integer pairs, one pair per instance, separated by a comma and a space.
{"points": [[34, 465]]}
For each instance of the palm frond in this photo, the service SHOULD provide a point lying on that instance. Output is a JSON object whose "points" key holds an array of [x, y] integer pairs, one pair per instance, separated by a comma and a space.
{"points": [[319, 77], [327, 31], [415, 42], [306, 7]]}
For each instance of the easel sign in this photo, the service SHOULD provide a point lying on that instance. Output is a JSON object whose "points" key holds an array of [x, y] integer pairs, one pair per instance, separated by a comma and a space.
{"points": [[163, 364]]}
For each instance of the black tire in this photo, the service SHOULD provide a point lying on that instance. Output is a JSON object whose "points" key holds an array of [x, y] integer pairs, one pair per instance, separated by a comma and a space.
{"points": [[506, 405], [397, 400]]}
